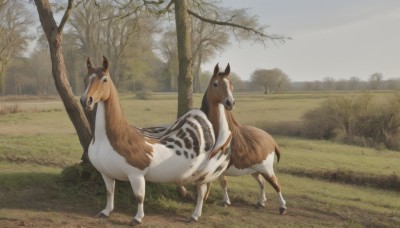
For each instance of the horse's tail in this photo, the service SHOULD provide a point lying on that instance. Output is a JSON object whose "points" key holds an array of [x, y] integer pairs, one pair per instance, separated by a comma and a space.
{"points": [[277, 152]]}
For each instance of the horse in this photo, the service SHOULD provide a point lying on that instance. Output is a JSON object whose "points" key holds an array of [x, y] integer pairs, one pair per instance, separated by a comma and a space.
{"points": [[186, 152], [252, 152]]}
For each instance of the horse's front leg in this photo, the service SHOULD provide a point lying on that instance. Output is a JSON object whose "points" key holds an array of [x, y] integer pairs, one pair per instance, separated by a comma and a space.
{"points": [[138, 186], [201, 192], [110, 186]]}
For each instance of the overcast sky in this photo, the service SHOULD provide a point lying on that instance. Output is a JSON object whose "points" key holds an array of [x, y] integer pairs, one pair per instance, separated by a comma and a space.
{"points": [[338, 39]]}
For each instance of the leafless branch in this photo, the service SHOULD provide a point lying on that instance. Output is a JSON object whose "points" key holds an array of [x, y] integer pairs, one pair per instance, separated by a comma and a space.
{"points": [[258, 33], [67, 13], [167, 7]]}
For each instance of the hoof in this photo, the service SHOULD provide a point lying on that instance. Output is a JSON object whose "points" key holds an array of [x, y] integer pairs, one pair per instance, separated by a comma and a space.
{"points": [[282, 210], [101, 215], [135, 222], [259, 205], [225, 204], [191, 220]]}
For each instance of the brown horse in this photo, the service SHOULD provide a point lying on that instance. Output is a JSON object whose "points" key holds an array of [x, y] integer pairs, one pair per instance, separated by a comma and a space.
{"points": [[252, 152], [187, 152]]}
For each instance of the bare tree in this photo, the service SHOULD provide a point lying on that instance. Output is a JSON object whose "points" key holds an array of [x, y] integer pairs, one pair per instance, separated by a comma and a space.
{"points": [[39, 66], [170, 55], [271, 80], [85, 23], [14, 34], [99, 31], [329, 83], [375, 80], [54, 37]]}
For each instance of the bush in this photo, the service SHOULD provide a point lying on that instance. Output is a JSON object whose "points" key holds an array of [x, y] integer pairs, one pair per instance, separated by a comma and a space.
{"points": [[7, 109], [356, 120], [318, 124], [143, 94], [143, 87]]}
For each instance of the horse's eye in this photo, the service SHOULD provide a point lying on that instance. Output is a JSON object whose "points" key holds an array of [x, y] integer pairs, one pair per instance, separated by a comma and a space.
{"points": [[215, 84], [105, 79]]}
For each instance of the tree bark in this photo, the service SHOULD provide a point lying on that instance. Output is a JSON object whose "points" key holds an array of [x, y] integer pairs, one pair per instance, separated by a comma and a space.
{"points": [[54, 38], [185, 80]]}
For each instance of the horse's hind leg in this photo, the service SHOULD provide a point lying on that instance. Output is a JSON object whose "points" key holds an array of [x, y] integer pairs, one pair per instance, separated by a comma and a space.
{"points": [[207, 192], [182, 190], [110, 186], [138, 186], [261, 198], [266, 168], [224, 185], [273, 180]]}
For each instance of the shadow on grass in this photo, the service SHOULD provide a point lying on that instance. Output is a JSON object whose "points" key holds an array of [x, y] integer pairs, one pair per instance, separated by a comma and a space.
{"points": [[47, 192]]}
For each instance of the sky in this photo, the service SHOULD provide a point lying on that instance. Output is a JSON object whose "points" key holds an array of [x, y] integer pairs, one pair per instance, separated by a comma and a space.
{"points": [[338, 39]]}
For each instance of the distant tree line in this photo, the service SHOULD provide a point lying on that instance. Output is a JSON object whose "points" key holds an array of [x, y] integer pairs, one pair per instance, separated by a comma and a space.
{"points": [[375, 82]]}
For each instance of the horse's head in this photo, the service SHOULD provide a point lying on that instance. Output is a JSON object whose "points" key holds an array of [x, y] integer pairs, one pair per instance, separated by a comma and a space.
{"points": [[97, 84], [220, 88]]}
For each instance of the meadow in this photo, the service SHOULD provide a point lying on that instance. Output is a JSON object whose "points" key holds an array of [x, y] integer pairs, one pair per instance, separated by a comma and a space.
{"points": [[37, 141]]}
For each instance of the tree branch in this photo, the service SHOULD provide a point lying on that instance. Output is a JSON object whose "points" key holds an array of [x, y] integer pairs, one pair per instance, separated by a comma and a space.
{"points": [[234, 25], [67, 13]]}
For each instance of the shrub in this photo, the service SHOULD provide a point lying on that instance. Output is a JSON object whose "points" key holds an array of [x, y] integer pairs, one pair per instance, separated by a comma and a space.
{"points": [[7, 109], [143, 87], [143, 94], [356, 120], [318, 124]]}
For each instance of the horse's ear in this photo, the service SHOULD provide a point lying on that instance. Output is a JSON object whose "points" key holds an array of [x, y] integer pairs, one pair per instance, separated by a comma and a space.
{"points": [[216, 69], [227, 70], [105, 63], [89, 64]]}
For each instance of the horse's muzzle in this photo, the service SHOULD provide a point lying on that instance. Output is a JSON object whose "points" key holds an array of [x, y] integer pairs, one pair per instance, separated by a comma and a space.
{"points": [[229, 104], [87, 103]]}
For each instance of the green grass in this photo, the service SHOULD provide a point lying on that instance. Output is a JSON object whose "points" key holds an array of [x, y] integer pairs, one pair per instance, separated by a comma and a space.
{"points": [[37, 143], [326, 155], [42, 149]]}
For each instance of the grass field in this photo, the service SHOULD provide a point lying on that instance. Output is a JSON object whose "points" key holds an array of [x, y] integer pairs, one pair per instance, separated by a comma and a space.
{"points": [[37, 141]]}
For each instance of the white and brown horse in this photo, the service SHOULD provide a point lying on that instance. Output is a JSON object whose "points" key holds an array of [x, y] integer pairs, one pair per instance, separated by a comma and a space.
{"points": [[183, 154], [252, 152]]}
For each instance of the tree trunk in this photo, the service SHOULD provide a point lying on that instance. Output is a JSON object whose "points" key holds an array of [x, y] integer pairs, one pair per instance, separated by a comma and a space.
{"points": [[185, 81], [74, 110], [197, 84], [2, 80]]}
